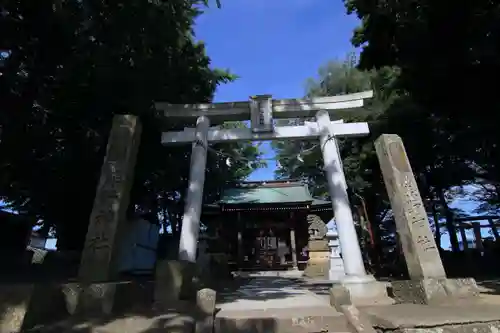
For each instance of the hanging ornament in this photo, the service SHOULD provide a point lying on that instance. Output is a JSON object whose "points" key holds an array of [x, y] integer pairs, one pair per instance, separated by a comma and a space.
{"points": [[228, 162]]}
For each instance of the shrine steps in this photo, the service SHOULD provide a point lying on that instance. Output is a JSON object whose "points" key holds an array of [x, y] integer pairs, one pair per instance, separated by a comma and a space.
{"points": [[282, 320], [269, 273]]}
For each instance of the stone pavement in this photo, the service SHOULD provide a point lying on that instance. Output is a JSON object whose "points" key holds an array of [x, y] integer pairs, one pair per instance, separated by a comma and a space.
{"points": [[280, 305], [272, 293]]}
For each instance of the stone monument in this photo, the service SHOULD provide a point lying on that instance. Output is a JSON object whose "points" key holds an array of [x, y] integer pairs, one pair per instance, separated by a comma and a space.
{"points": [[99, 257], [319, 253], [428, 282], [336, 268]]}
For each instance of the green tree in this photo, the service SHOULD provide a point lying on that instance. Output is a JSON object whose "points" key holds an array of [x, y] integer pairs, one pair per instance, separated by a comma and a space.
{"points": [[68, 66]]}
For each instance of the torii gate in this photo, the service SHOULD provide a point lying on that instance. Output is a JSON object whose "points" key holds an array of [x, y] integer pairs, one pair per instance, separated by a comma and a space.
{"points": [[262, 110]]}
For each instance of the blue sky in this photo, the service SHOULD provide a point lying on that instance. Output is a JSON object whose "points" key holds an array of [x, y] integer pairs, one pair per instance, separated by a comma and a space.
{"points": [[274, 46]]}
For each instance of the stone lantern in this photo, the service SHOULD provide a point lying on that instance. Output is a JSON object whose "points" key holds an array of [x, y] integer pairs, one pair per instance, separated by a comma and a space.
{"points": [[336, 268]]}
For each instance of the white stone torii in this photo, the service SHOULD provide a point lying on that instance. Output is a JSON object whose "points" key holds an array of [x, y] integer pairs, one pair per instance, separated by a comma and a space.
{"points": [[262, 110]]}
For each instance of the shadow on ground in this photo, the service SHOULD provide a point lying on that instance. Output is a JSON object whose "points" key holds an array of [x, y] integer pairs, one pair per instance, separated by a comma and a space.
{"points": [[268, 288], [490, 286]]}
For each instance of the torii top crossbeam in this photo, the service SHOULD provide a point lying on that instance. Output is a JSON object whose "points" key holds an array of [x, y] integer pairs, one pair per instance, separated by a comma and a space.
{"points": [[281, 108]]}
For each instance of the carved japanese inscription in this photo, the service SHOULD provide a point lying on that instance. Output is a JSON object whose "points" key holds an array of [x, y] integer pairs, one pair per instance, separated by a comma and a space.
{"points": [[419, 247], [111, 199]]}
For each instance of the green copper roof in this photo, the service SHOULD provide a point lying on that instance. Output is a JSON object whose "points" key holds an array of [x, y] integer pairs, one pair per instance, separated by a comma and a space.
{"points": [[269, 193]]}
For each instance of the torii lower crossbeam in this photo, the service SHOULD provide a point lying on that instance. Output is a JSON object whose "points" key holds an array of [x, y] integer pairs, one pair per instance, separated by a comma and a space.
{"points": [[308, 131]]}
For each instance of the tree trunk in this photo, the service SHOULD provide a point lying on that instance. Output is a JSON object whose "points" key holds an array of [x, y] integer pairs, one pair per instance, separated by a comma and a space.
{"points": [[437, 231], [71, 236], [449, 222]]}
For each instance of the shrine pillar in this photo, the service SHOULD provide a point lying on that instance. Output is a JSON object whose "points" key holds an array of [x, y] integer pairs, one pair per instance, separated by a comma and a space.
{"points": [[478, 238], [293, 246], [293, 241]]}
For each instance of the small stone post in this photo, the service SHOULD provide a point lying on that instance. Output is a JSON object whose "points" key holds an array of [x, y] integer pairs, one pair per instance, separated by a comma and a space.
{"points": [[110, 206], [205, 301], [428, 278]]}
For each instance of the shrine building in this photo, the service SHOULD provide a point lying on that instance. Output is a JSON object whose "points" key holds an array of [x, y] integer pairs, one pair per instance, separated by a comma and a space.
{"points": [[265, 225]]}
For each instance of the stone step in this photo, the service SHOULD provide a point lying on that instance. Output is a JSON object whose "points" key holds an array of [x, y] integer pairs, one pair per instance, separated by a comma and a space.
{"points": [[282, 320]]}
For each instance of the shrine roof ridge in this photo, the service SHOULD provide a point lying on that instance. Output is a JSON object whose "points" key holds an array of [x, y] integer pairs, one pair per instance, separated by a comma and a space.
{"points": [[267, 183], [269, 192]]}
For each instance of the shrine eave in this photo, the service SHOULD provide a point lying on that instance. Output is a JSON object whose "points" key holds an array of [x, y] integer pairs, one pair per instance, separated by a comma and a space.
{"points": [[265, 207], [214, 209]]}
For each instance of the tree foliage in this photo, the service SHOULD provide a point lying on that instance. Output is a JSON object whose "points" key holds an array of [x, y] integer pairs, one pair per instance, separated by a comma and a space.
{"points": [[67, 67], [447, 53]]}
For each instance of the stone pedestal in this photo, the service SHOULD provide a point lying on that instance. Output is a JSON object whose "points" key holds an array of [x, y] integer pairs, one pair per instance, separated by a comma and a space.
{"points": [[174, 281], [93, 299], [168, 282], [15, 301], [428, 282], [433, 291], [318, 262], [360, 291]]}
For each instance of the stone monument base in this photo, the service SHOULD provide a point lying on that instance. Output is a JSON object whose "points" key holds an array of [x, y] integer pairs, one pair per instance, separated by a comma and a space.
{"points": [[174, 281], [433, 291], [360, 291]]}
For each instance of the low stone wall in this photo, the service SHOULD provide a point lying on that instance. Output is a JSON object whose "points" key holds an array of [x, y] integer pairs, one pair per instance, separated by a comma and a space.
{"points": [[23, 306], [49, 307]]}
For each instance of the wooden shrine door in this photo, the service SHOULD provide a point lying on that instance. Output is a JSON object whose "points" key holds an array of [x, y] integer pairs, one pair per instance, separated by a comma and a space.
{"points": [[266, 248]]}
